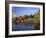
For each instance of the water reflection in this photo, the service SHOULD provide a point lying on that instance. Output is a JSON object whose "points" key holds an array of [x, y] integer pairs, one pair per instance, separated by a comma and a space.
{"points": [[22, 27]]}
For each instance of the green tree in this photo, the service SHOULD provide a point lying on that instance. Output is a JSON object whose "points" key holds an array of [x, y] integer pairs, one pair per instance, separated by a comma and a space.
{"points": [[31, 16]]}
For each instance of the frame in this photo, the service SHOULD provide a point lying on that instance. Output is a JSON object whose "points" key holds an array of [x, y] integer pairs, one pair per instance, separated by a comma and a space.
{"points": [[9, 28]]}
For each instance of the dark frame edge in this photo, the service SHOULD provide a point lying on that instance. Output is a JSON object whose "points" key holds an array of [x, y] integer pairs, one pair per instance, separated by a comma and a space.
{"points": [[43, 18], [6, 19]]}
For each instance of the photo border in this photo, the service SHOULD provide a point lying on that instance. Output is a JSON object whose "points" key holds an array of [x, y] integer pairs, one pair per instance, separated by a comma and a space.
{"points": [[25, 32], [7, 18]]}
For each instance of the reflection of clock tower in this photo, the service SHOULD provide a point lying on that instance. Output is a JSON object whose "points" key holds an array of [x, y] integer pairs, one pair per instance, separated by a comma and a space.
{"points": [[13, 15]]}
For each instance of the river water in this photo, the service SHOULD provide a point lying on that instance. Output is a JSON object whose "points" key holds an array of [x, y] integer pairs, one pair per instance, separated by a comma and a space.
{"points": [[22, 27]]}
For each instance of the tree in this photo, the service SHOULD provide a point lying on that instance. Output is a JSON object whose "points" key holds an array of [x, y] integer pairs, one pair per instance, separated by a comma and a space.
{"points": [[31, 16], [37, 20], [13, 17], [26, 16]]}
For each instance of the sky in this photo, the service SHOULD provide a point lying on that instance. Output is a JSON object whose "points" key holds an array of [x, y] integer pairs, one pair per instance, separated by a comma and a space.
{"points": [[21, 11]]}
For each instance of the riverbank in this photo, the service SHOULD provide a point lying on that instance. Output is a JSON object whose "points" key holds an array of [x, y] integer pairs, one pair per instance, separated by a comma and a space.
{"points": [[26, 19]]}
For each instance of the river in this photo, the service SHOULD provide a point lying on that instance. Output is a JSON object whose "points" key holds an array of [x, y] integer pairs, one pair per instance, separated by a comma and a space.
{"points": [[22, 27]]}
